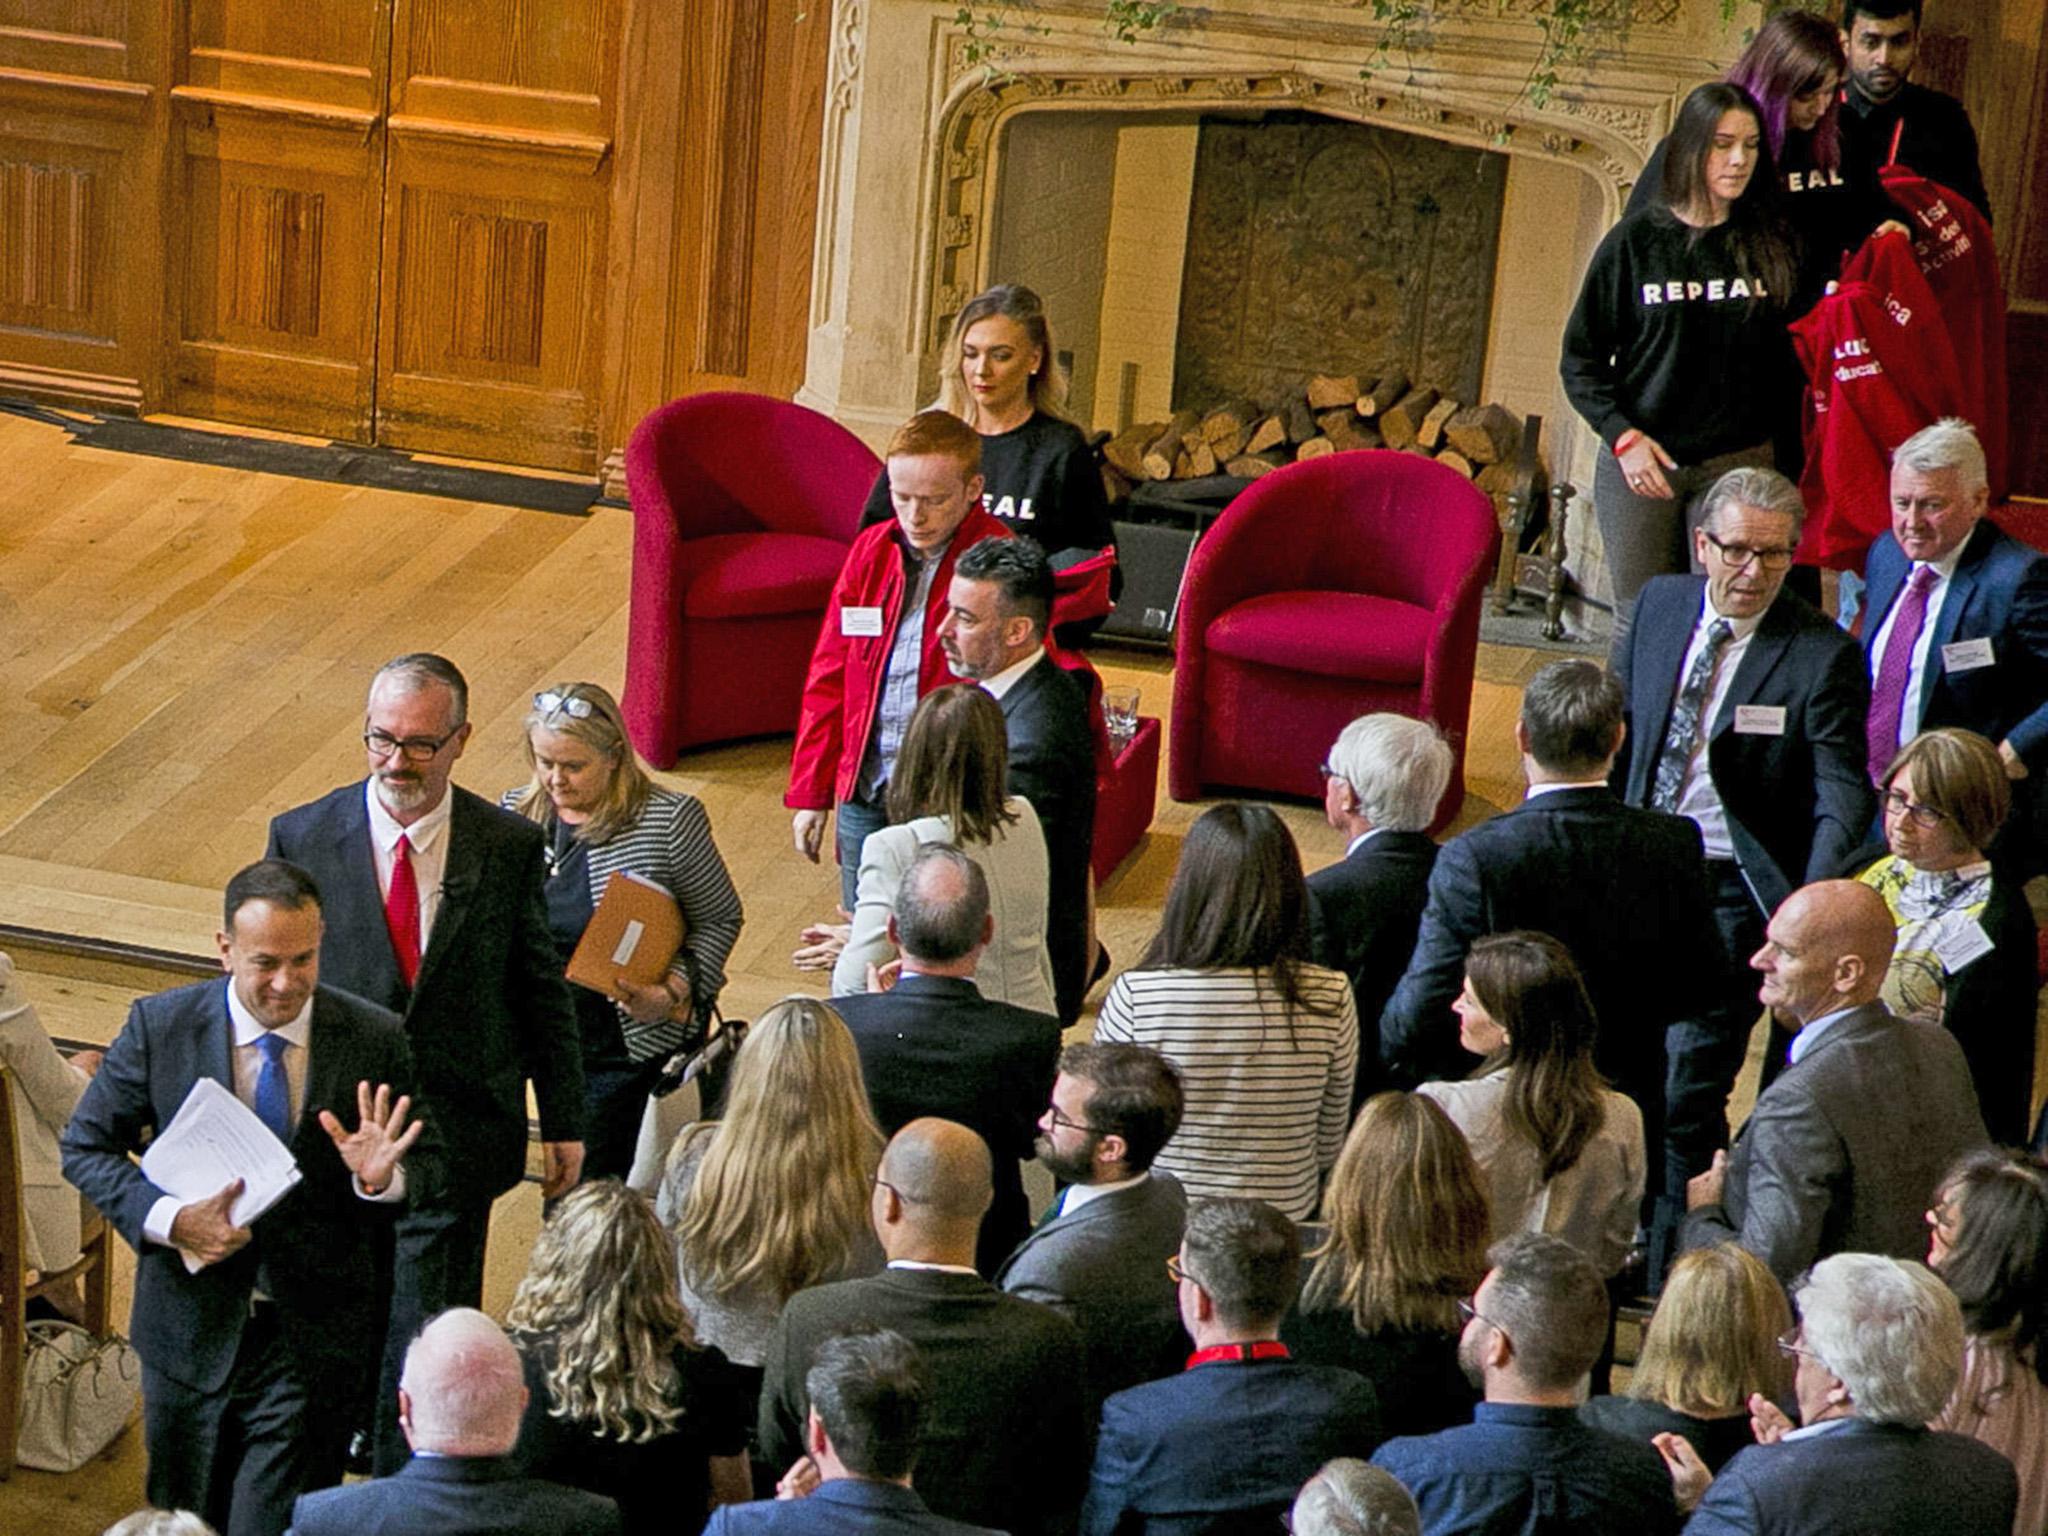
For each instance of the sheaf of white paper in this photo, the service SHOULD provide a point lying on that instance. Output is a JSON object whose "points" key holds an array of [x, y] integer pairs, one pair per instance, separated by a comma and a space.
{"points": [[213, 1140]]}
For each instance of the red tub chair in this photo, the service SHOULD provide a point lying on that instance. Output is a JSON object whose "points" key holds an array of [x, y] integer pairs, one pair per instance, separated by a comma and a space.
{"points": [[743, 510], [1330, 589], [1126, 782]]}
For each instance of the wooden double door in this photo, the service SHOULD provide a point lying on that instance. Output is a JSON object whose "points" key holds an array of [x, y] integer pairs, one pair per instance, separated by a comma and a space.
{"points": [[383, 221]]}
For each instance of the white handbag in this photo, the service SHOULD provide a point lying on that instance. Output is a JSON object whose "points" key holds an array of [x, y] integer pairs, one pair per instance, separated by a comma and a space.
{"points": [[78, 1392]]}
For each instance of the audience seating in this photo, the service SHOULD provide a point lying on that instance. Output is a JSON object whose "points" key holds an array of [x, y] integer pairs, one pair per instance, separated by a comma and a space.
{"points": [[743, 511], [16, 1286], [1328, 590], [1126, 782]]}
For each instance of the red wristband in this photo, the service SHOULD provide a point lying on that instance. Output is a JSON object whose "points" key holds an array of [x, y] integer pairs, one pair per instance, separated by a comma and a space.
{"points": [[1626, 441]]}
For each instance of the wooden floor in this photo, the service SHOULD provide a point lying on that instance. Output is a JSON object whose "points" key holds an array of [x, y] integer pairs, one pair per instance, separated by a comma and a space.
{"points": [[187, 650]]}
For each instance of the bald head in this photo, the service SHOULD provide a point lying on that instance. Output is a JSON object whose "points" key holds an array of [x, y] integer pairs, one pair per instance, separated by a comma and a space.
{"points": [[938, 1186], [1828, 947], [462, 1393]]}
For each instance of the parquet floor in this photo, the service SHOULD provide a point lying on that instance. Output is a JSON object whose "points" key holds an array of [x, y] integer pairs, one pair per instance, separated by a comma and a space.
{"points": [[185, 649]]}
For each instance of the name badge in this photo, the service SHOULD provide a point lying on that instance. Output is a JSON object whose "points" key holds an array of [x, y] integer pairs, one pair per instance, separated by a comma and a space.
{"points": [[1966, 655], [860, 621], [1963, 945], [1759, 719]]}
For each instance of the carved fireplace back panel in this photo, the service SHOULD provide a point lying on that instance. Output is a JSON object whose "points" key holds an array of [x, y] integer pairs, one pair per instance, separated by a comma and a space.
{"points": [[1318, 245]]}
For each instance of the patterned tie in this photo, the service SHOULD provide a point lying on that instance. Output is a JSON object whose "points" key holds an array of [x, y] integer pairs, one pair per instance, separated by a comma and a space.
{"points": [[1888, 688], [1685, 719], [273, 1088], [402, 910]]}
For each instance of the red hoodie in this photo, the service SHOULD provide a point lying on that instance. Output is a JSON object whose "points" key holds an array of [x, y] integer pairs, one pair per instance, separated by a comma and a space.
{"points": [[1879, 366]]}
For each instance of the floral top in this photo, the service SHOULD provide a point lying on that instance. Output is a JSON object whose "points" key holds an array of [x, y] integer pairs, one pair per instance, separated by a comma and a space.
{"points": [[1940, 930]]}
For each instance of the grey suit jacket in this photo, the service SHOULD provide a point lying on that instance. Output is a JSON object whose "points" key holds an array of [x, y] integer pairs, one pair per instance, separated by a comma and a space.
{"points": [[1843, 1151], [1104, 1266]]}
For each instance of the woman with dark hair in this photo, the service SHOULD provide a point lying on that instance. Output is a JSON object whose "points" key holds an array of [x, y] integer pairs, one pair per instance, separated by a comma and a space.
{"points": [[1794, 68], [1000, 375], [1988, 1240], [1560, 1151], [1965, 956], [1678, 332], [604, 816], [948, 788], [621, 1400], [1266, 1042], [1711, 1345], [1401, 1242]]}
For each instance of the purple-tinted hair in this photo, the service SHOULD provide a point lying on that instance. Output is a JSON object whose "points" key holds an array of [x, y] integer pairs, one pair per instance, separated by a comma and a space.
{"points": [[1792, 52]]}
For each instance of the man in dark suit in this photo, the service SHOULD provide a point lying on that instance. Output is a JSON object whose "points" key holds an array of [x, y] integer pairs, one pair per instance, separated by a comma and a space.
{"points": [[1526, 1463], [997, 610], [459, 1402], [868, 1394], [932, 1045], [1381, 784], [253, 1332], [1100, 1255], [1006, 1436], [435, 910], [1226, 1444], [1878, 1347], [1745, 711], [1623, 889], [1956, 625], [1845, 1150]]}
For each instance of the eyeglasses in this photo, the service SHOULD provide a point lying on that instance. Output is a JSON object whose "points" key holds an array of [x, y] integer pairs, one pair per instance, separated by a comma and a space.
{"points": [[1898, 803], [1466, 1312], [879, 1182], [1052, 1113], [1789, 1344], [1176, 1271], [417, 749], [1736, 556], [564, 704]]}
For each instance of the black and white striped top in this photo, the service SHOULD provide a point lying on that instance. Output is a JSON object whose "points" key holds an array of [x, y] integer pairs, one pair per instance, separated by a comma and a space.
{"points": [[1268, 1093]]}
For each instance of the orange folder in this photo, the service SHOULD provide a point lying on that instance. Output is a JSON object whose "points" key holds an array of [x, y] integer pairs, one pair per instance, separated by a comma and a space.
{"points": [[635, 932]]}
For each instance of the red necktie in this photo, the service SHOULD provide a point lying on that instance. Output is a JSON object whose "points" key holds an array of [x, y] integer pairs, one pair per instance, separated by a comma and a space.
{"points": [[402, 910]]}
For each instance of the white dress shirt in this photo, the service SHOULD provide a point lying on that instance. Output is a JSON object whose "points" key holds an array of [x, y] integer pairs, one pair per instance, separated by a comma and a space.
{"points": [[1909, 707], [1809, 1037], [1698, 800], [429, 839], [1553, 787], [995, 687], [1077, 1195]]}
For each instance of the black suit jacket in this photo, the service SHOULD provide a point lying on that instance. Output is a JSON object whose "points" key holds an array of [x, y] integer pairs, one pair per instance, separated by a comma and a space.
{"points": [[844, 1506], [314, 1248], [1999, 592], [454, 1496], [1862, 1477], [1222, 1448], [489, 1009], [933, 1045], [1799, 802], [1364, 912], [1624, 889], [1005, 1440], [1052, 764]]}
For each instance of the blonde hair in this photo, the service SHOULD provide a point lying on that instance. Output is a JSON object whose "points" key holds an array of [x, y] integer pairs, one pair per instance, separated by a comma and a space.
{"points": [[1407, 1218], [1713, 1340], [603, 730], [1014, 302], [600, 1292], [781, 1197]]}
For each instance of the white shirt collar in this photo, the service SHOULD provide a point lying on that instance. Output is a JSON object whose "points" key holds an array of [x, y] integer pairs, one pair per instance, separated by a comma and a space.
{"points": [[1078, 1195], [1804, 1040], [249, 1029], [995, 687], [1945, 567], [1808, 1431], [1551, 789], [943, 1269], [1743, 628], [384, 827], [1362, 839]]}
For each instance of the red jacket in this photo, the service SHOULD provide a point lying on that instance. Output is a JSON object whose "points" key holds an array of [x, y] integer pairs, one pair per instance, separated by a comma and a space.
{"points": [[845, 679], [1879, 367], [1952, 241]]}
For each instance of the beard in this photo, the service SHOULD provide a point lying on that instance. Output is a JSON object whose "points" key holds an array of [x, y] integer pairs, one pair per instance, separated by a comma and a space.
{"points": [[1067, 1167], [1469, 1361]]}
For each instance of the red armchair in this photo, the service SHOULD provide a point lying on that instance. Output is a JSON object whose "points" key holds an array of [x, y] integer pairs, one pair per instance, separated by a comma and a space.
{"points": [[743, 510], [1328, 590], [1126, 782]]}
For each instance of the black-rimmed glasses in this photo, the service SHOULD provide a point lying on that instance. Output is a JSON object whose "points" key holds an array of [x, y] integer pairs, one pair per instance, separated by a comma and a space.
{"points": [[1898, 803], [1736, 556], [1052, 1113], [416, 749]]}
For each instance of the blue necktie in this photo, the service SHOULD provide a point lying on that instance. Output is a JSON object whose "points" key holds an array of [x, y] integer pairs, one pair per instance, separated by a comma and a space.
{"points": [[273, 1088]]}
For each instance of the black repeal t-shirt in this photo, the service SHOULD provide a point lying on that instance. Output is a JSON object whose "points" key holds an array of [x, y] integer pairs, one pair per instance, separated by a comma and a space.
{"points": [[1040, 479], [1670, 336]]}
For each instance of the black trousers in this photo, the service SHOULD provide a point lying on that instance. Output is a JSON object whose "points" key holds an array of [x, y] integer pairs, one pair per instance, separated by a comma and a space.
{"points": [[242, 1455], [439, 1264], [1705, 1054]]}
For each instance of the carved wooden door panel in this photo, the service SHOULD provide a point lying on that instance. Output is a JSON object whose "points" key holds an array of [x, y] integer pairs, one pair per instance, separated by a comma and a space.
{"points": [[495, 215], [275, 171]]}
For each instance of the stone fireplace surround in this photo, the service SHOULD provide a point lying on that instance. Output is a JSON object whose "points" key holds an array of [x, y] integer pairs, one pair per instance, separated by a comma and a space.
{"points": [[914, 137]]}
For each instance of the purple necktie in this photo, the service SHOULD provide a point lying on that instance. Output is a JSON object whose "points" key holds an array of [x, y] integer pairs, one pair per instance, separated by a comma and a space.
{"points": [[1888, 690]]}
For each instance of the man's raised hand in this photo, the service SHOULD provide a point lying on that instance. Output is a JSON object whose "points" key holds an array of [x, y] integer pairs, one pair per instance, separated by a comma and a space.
{"points": [[378, 1144]]}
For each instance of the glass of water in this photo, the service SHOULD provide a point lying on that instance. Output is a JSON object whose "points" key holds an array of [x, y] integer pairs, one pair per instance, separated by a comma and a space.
{"points": [[1120, 715]]}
